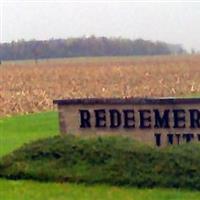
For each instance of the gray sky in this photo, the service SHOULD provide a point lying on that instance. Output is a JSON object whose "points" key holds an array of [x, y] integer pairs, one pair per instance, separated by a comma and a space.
{"points": [[171, 22]]}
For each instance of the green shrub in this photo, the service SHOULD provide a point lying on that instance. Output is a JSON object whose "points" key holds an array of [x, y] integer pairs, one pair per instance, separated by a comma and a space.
{"points": [[112, 160]]}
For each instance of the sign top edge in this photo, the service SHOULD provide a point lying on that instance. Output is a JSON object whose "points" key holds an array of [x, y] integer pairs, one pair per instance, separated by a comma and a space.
{"points": [[117, 101]]}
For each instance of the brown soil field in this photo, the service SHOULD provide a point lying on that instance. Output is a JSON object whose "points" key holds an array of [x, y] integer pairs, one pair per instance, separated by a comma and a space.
{"points": [[26, 86]]}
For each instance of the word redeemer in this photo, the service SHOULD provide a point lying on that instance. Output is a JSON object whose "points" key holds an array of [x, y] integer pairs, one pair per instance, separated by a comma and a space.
{"points": [[146, 118]]}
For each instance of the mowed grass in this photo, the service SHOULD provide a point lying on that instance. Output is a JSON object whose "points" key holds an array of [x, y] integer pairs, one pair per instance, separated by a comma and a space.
{"points": [[29, 190], [15, 131], [18, 130]]}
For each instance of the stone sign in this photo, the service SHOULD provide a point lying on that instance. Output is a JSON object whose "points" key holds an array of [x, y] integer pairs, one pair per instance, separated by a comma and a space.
{"points": [[159, 121]]}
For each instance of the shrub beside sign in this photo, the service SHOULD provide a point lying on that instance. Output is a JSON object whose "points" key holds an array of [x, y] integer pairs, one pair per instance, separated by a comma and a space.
{"points": [[159, 121]]}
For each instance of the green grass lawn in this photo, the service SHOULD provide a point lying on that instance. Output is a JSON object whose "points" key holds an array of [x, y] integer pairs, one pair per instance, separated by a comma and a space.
{"points": [[15, 131], [18, 130], [29, 190]]}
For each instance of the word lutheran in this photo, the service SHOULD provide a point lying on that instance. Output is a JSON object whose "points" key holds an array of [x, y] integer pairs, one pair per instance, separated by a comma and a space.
{"points": [[159, 121]]}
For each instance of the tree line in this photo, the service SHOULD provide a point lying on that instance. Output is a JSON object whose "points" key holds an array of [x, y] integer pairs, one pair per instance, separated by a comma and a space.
{"points": [[85, 46]]}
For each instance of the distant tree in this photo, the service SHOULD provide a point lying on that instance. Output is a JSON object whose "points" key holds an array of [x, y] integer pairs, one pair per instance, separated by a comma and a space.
{"points": [[85, 46], [193, 51]]}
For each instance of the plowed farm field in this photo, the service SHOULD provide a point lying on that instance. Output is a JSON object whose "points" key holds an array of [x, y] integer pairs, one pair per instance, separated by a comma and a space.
{"points": [[27, 86]]}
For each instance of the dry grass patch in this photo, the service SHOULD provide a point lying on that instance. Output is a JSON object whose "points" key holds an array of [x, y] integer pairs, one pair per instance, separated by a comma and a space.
{"points": [[29, 87]]}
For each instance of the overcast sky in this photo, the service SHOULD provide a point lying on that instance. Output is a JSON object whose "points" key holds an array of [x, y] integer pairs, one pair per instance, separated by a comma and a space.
{"points": [[177, 22]]}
